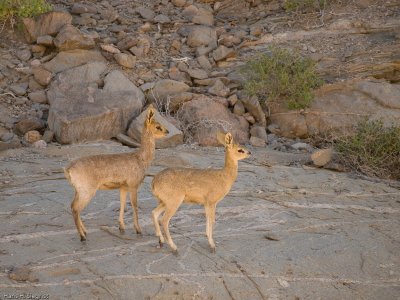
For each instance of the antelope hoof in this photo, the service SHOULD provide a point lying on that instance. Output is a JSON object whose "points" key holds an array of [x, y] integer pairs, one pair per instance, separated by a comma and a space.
{"points": [[83, 238], [175, 252], [212, 250], [121, 230], [160, 243]]}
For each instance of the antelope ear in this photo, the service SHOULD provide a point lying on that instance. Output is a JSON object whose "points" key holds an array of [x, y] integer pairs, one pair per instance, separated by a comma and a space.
{"points": [[150, 114], [228, 140]]}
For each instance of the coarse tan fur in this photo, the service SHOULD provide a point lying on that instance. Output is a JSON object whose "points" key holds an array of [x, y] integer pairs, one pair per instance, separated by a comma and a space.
{"points": [[123, 171], [174, 186]]}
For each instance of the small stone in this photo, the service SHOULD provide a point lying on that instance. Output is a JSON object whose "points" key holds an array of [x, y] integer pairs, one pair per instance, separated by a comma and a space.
{"points": [[38, 50], [259, 131], [219, 89], [125, 60], [20, 274], [40, 144], [238, 109], [223, 52], [24, 54], [312, 49], [176, 44], [204, 62], [257, 142], [28, 124], [232, 99], [32, 136], [146, 27], [19, 88], [179, 3], [321, 157], [38, 97], [127, 42], [42, 76], [20, 101], [35, 63], [110, 48], [162, 19], [197, 73], [45, 40], [70, 38], [34, 85], [249, 118], [145, 13], [6, 137], [81, 8], [301, 146]]}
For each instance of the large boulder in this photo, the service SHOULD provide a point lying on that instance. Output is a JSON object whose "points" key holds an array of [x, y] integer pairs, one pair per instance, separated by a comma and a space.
{"points": [[203, 117], [70, 38], [46, 24], [173, 139], [69, 59], [164, 90], [339, 107], [81, 111]]}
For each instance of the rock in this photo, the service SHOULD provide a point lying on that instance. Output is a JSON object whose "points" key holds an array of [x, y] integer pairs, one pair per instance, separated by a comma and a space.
{"points": [[38, 97], [201, 35], [20, 101], [110, 48], [177, 100], [127, 42], [34, 85], [42, 76], [177, 75], [70, 38], [179, 3], [198, 15], [173, 139], [259, 132], [223, 52], [219, 89], [6, 137], [257, 142], [322, 157], [197, 73], [232, 99], [46, 24], [24, 54], [253, 106], [203, 118], [166, 88], [28, 124], [73, 58], [80, 111], [162, 19], [146, 13], [249, 118], [125, 60], [38, 50], [45, 40], [20, 274], [40, 144], [204, 62], [81, 8], [19, 88], [239, 109], [12, 144], [48, 136], [386, 94], [32, 136], [301, 146]]}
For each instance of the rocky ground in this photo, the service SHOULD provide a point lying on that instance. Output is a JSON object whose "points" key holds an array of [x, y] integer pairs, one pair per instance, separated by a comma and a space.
{"points": [[287, 230], [283, 232]]}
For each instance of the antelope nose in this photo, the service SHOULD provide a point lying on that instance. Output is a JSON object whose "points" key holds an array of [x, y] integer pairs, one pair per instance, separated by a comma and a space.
{"points": [[166, 131], [248, 152]]}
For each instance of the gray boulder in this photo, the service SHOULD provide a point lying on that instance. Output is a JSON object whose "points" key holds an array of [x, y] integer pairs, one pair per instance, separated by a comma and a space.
{"points": [[81, 111], [70, 38]]}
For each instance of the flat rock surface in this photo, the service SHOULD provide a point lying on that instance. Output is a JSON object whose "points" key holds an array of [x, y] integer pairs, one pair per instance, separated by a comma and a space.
{"points": [[285, 231]]}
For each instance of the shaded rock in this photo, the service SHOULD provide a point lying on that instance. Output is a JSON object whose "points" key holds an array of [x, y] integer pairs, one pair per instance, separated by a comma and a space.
{"points": [[11, 144], [197, 73], [48, 136], [38, 97], [38, 50], [257, 142], [162, 19], [19, 88], [259, 132], [201, 35], [42, 76], [24, 54], [127, 42], [166, 88], [28, 124], [70, 38], [253, 106], [322, 157], [46, 24], [232, 99], [386, 94], [204, 62], [203, 118], [223, 52], [32, 136], [173, 139], [73, 58], [125, 60], [249, 118], [82, 8], [219, 89], [80, 111], [45, 40]]}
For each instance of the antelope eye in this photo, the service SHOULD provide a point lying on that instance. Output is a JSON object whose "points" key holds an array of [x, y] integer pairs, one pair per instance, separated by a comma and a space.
{"points": [[158, 127], [241, 150]]}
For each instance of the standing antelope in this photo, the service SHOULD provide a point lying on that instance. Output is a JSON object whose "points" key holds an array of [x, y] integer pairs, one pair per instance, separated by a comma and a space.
{"points": [[123, 171], [173, 186]]}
